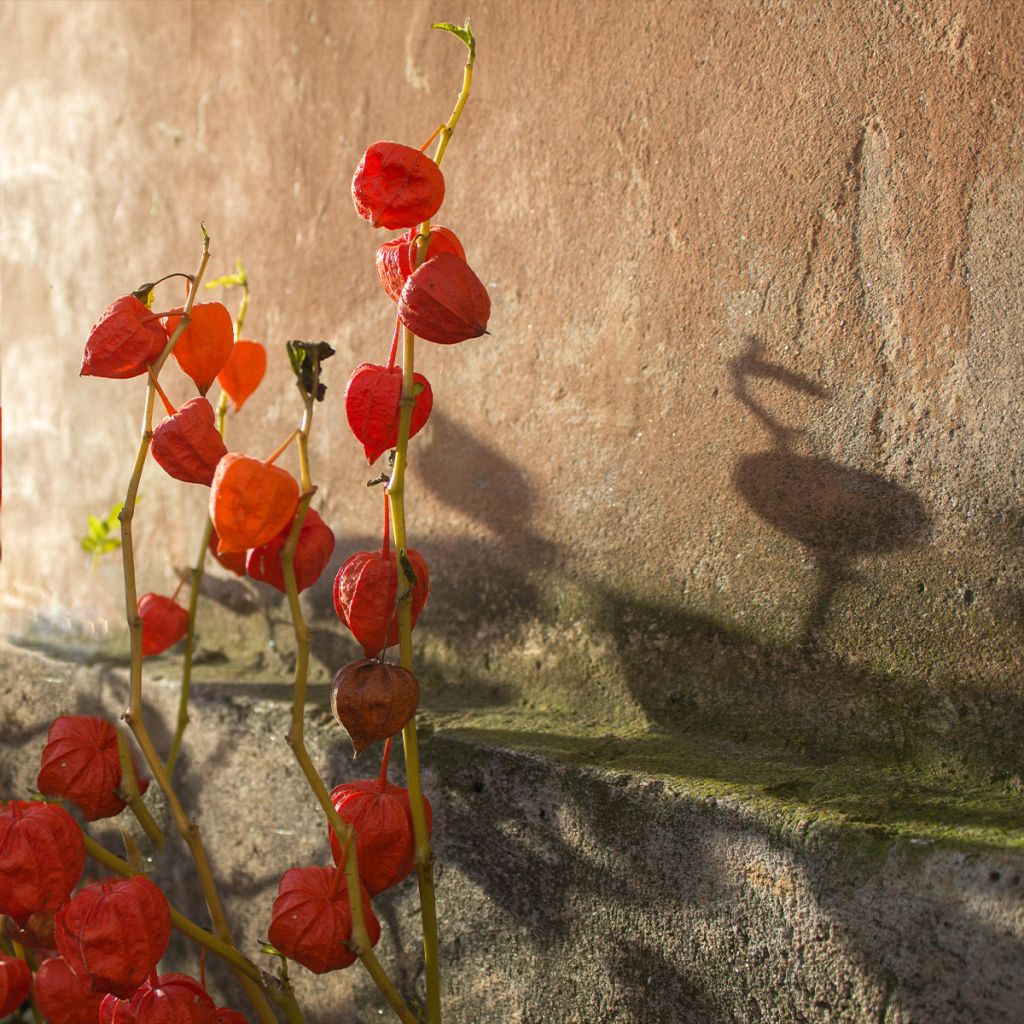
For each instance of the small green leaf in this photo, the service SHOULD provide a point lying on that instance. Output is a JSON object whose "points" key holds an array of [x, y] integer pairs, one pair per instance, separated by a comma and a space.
{"points": [[223, 282], [97, 530], [464, 33]]}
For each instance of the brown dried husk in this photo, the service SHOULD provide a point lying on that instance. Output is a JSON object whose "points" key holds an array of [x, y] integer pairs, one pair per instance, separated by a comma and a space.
{"points": [[373, 700]]}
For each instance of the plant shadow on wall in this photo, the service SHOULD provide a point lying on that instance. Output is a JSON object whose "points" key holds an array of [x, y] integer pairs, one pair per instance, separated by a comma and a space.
{"points": [[839, 514]]}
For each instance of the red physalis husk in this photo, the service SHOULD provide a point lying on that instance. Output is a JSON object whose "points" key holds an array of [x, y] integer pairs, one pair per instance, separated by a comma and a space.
{"points": [[310, 922], [15, 981], [164, 623], [63, 997], [229, 1016], [41, 857], [113, 933], [445, 302], [34, 931], [80, 764], [250, 502], [125, 339], [167, 999], [312, 553], [233, 561], [205, 344], [396, 186], [188, 445], [373, 700], [372, 398], [365, 592], [379, 813], [396, 259], [243, 371]]}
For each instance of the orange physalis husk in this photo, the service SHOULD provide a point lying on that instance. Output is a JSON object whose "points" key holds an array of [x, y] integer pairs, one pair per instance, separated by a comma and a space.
{"points": [[225, 1015], [15, 981], [444, 301], [396, 186], [250, 502], [311, 923], [125, 339], [80, 763], [379, 813], [373, 700], [34, 931], [205, 344], [163, 999], [365, 594], [164, 623], [313, 551], [188, 445], [113, 933], [41, 857], [243, 371], [395, 259], [372, 398], [63, 997]]}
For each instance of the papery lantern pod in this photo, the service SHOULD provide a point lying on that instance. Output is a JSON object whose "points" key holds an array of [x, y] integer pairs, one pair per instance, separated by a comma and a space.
{"points": [[444, 301], [365, 594], [164, 623], [397, 259], [233, 561], [243, 371], [34, 931], [113, 933], [187, 443], [310, 921], [313, 551], [372, 408], [373, 700], [396, 186], [41, 857], [63, 997], [15, 981], [379, 813], [167, 999], [250, 502], [124, 341], [80, 763], [205, 344]]}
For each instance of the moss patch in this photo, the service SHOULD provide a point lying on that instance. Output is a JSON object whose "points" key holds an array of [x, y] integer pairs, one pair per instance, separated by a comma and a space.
{"points": [[887, 800]]}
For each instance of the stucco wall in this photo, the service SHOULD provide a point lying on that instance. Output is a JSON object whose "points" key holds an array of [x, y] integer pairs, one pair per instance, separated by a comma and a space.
{"points": [[742, 450]]}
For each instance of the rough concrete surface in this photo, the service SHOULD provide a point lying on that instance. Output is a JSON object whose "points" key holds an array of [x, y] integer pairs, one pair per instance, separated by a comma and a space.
{"points": [[570, 895]]}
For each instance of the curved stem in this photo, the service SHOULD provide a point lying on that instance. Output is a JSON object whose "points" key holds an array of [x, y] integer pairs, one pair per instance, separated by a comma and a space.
{"points": [[133, 717], [296, 740], [396, 496], [131, 793], [193, 601]]}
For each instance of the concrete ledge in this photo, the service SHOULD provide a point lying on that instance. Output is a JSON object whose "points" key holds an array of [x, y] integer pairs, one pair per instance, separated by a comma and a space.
{"points": [[589, 878]]}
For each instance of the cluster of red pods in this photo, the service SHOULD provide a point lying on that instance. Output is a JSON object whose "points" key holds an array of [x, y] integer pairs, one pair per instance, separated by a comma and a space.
{"points": [[98, 948]]}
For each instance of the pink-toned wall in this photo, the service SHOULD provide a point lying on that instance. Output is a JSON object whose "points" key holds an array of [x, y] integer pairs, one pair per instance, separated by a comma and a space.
{"points": [[743, 449]]}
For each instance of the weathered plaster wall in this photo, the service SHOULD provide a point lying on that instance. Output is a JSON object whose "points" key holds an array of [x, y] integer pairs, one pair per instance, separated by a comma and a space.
{"points": [[743, 448]]}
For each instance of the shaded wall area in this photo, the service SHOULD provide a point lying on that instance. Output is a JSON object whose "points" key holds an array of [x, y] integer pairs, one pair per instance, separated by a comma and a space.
{"points": [[742, 451]]}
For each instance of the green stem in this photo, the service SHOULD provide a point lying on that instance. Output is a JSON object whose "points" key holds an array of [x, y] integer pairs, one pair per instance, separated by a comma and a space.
{"points": [[396, 497], [284, 999], [193, 602], [360, 941], [131, 793], [133, 716]]}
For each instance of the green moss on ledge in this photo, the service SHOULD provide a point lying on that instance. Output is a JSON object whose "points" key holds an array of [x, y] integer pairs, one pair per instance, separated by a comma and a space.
{"points": [[883, 800]]}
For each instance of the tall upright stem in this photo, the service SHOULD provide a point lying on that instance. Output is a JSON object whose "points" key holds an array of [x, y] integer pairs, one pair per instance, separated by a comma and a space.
{"points": [[396, 497], [133, 717], [360, 941]]}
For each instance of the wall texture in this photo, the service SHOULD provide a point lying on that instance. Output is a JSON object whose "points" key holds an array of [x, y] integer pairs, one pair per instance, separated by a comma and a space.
{"points": [[742, 451]]}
